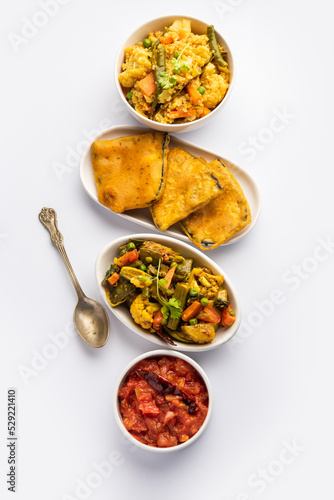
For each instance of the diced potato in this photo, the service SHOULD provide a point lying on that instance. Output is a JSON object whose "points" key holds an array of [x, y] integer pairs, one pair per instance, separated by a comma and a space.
{"points": [[200, 333], [183, 25]]}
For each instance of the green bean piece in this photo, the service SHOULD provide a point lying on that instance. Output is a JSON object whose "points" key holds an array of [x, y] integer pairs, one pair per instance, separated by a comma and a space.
{"points": [[160, 67], [183, 269], [215, 47], [146, 293], [181, 293]]}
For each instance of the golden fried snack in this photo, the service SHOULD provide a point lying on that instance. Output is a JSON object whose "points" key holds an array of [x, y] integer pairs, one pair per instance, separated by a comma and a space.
{"points": [[227, 214], [190, 184], [130, 171]]}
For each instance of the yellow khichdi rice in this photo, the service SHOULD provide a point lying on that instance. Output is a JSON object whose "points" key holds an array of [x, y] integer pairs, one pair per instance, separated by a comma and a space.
{"points": [[175, 76]]}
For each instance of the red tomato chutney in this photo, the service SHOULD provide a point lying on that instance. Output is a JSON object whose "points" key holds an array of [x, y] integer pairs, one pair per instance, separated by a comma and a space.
{"points": [[163, 401]]}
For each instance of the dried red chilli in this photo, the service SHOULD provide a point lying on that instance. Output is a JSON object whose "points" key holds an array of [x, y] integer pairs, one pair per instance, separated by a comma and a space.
{"points": [[164, 387]]}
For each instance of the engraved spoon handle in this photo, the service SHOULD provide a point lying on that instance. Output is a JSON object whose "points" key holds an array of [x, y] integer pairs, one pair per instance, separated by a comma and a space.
{"points": [[48, 218]]}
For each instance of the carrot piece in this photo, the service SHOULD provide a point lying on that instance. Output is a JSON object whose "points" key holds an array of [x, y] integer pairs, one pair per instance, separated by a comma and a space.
{"points": [[113, 278], [195, 96], [228, 316], [169, 276], [147, 84], [166, 39], [175, 113], [205, 111], [128, 258], [191, 311]]}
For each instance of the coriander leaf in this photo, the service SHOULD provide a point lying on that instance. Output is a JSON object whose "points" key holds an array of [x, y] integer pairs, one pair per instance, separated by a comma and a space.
{"points": [[174, 308], [166, 81], [165, 312], [178, 66]]}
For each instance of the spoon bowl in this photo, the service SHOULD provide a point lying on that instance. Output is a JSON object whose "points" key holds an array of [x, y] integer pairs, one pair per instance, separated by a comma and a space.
{"points": [[91, 322], [90, 318]]}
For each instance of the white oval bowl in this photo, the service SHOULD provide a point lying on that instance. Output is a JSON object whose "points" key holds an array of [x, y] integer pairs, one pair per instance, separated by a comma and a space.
{"points": [[198, 27], [143, 216], [118, 416], [106, 258]]}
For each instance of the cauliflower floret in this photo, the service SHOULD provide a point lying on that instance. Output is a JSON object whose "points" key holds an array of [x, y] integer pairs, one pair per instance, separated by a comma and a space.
{"points": [[137, 65], [215, 89], [143, 311], [205, 283]]}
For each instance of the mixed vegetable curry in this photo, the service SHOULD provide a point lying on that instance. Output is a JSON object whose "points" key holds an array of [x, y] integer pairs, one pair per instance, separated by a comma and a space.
{"points": [[167, 293]]}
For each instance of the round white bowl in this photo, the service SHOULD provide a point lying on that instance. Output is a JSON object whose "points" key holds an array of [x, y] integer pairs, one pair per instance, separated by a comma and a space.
{"points": [[198, 27], [117, 413], [106, 258]]}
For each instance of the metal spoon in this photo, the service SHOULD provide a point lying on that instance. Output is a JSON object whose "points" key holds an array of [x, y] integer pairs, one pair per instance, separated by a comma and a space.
{"points": [[90, 318]]}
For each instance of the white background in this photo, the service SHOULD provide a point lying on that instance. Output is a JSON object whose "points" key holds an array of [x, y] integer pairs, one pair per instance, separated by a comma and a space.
{"points": [[273, 382]]}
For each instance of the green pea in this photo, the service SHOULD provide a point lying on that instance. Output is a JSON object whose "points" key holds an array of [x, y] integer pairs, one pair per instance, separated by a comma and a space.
{"points": [[177, 54], [129, 96], [204, 301], [193, 321], [123, 252], [173, 264], [148, 260], [142, 267], [131, 246], [201, 90], [193, 292], [147, 43]]}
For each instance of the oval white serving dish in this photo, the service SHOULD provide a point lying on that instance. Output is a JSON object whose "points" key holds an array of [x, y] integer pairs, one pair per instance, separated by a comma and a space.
{"points": [[121, 379], [198, 27], [143, 216], [106, 258]]}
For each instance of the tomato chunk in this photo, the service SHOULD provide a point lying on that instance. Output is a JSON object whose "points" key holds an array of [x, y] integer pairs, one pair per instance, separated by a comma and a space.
{"points": [[208, 315], [228, 316], [128, 258]]}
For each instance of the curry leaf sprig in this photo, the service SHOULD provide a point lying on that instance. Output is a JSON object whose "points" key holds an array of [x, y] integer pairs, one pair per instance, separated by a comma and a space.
{"points": [[172, 307]]}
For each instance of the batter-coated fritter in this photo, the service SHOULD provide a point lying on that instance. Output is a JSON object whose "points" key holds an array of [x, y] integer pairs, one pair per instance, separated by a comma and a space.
{"points": [[190, 185], [227, 214], [130, 171]]}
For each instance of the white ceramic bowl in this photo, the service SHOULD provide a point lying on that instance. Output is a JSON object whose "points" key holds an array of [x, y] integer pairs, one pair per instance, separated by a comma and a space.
{"points": [[198, 27], [117, 413], [106, 258]]}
